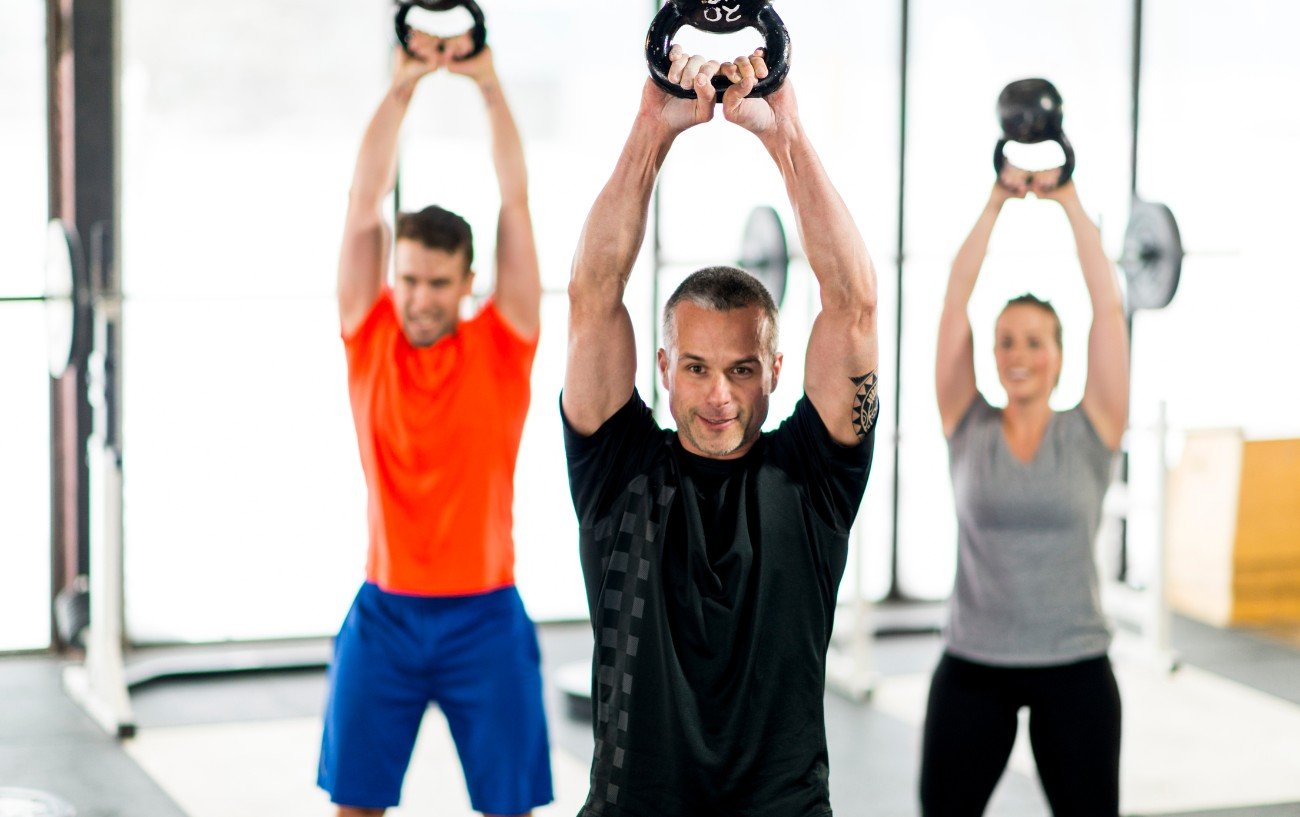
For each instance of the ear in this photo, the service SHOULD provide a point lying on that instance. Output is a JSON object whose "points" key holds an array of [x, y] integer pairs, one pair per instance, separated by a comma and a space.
{"points": [[662, 357], [776, 371]]}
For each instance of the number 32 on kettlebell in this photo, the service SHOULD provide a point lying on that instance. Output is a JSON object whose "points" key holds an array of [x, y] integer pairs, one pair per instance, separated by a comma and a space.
{"points": [[718, 17]]}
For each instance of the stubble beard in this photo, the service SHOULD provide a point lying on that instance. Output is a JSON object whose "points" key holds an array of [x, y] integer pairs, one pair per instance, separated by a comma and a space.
{"points": [[722, 446]]}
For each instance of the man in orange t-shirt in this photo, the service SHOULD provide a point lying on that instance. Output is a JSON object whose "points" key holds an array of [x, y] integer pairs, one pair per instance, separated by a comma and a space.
{"points": [[439, 407]]}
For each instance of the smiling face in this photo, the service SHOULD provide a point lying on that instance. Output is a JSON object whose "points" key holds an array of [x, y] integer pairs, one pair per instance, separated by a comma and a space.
{"points": [[1028, 352], [719, 372], [428, 288]]}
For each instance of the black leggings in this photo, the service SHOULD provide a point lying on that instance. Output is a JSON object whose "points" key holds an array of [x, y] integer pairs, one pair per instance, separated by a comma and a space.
{"points": [[970, 727]]}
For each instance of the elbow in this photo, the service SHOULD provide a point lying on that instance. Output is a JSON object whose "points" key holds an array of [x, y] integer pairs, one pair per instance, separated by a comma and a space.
{"points": [[584, 293], [858, 296], [593, 294]]}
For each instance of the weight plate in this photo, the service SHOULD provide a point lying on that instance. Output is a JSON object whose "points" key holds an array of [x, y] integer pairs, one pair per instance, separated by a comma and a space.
{"points": [[61, 280], [764, 252], [32, 803], [1153, 256]]}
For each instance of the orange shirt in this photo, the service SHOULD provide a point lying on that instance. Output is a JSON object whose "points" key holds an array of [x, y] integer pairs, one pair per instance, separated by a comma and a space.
{"points": [[439, 433]]}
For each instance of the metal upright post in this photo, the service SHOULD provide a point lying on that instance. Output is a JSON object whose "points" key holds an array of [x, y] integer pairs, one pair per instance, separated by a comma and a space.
{"points": [[895, 592]]}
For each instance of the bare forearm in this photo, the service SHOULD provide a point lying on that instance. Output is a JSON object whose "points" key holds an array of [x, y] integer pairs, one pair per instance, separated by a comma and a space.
{"points": [[376, 169], [1098, 274], [831, 240], [615, 229], [507, 147], [970, 257]]}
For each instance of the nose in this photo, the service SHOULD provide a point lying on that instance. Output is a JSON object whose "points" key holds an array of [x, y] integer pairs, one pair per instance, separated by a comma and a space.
{"points": [[422, 298], [719, 390]]}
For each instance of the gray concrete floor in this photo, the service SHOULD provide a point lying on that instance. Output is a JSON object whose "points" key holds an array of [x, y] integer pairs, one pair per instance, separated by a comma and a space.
{"points": [[47, 743]]}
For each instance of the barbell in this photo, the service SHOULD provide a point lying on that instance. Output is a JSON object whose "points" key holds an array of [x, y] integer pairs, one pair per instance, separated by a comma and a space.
{"points": [[718, 17], [1152, 258], [478, 33], [1151, 261]]}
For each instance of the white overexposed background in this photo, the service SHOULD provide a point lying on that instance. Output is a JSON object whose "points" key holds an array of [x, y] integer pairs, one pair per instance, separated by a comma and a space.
{"points": [[244, 498]]}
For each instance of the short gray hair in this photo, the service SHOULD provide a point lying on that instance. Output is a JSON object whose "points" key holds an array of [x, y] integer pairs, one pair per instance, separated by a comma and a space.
{"points": [[722, 289]]}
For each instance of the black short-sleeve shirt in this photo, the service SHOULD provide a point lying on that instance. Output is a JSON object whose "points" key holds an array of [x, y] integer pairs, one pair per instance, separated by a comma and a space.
{"points": [[712, 587]]}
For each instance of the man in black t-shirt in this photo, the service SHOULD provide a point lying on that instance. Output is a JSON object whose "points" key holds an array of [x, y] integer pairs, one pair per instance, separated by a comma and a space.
{"points": [[713, 554]]}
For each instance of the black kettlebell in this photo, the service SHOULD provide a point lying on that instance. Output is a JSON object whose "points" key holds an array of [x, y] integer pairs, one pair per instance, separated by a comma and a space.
{"points": [[478, 33], [718, 17], [1031, 111]]}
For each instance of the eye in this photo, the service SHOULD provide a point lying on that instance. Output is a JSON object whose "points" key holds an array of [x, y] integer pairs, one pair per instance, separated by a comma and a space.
{"points": [[1035, 343], [695, 368], [742, 371]]}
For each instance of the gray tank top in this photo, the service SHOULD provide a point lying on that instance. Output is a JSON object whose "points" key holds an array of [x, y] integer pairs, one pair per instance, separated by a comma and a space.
{"points": [[1027, 591]]}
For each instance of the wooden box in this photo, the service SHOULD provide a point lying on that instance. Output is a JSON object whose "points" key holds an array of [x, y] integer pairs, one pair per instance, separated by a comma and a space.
{"points": [[1233, 530]]}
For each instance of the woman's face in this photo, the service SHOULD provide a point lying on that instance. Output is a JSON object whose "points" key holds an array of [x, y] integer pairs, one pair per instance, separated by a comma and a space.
{"points": [[1029, 358]]}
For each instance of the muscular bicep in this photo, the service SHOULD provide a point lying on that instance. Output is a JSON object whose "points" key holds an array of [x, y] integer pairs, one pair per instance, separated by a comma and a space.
{"points": [[840, 377], [601, 370], [363, 261]]}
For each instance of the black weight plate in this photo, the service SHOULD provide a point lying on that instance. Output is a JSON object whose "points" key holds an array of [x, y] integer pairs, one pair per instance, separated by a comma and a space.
{"points": [[1153, 256], [764, 252]]}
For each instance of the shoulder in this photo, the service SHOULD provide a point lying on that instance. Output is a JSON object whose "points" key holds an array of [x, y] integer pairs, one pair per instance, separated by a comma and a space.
{"points": [[1080, 430], [980, 413], [634, 418], [378, 328], [805, 433], [380, 313], [489, 322], [627, 447]]}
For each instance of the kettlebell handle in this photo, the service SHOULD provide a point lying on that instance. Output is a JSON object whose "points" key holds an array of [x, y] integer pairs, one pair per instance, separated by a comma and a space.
{"points": [[718, 16], [1067, 169], [478, 32]]}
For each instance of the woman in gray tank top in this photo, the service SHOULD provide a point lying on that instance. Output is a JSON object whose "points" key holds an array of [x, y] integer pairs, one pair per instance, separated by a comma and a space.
{"points": [[1026, 627]]}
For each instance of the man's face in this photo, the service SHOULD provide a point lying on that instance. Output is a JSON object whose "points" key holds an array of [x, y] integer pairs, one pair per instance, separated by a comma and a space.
{"points": [[719, 375], [429, 286]]}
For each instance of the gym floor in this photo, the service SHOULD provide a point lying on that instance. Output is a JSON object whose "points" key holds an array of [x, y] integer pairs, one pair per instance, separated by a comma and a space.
{"points": [[225, 745]]}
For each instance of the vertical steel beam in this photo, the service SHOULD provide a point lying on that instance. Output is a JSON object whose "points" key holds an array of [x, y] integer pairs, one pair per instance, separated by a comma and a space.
{"points": [[895, 592], [82, 108]]}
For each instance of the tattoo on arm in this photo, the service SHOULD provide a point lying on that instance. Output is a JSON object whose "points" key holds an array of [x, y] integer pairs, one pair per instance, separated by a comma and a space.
{"points": [[866, 404]]}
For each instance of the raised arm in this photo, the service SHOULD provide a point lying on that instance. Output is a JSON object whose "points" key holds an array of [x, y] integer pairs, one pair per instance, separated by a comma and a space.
{"points": [[363, 259], [954, 379], [840, 373], [601, 371], [518, 291], [1106, 393]]}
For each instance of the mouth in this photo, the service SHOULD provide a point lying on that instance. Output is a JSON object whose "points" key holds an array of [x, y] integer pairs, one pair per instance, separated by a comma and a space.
{"points": [[715, 424], [422, 323], [1016, 375]]}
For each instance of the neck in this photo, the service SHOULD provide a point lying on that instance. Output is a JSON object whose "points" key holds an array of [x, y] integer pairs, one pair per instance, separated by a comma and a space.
{"points": [[1027, 414]]}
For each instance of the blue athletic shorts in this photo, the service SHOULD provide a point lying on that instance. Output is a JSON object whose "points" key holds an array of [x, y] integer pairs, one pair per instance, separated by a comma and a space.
{"points": [[477, 658]]}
